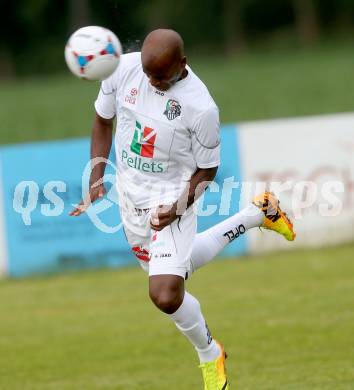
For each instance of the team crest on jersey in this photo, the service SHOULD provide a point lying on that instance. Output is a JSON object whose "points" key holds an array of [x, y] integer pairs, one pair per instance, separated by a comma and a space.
{"points": [[173, 109]]}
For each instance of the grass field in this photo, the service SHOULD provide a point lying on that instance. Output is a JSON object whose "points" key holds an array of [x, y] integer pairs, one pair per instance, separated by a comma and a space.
{"points": [[263, 84], [286, 319]]}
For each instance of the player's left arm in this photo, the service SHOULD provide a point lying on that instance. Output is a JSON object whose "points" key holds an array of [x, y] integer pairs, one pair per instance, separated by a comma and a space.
{"points": [[206, 152], [166, 214]]}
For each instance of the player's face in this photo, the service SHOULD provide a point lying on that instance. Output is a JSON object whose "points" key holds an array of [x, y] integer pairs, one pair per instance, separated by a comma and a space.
{"points": [[163, 79]]}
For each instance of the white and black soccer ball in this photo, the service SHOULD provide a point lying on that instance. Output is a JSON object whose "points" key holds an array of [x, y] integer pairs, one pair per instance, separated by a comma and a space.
{"points": [[93, 53]]}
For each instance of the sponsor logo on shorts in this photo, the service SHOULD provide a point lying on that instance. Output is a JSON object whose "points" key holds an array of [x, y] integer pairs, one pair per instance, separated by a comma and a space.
{"points": [[235, 233], [141, 253], [140, 212], [162, 255], [173, 109]]}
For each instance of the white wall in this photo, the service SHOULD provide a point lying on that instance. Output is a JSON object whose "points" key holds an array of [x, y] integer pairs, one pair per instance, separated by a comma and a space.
{"points": [[317, 149]]}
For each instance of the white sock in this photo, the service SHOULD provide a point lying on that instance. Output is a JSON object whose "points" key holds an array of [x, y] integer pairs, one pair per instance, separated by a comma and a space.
{"points": [[212, 241], [190, 321]]}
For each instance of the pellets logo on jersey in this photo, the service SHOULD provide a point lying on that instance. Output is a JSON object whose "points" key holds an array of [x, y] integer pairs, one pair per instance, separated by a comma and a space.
{"points": [[173, 109], [143, 142]]}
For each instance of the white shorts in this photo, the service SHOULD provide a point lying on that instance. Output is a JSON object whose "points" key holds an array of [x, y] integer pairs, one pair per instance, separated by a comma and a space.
{"points": [[165, 252]]}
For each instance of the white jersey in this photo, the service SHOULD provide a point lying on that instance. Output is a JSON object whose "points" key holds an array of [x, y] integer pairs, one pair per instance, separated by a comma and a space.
{"points": [[161, 137]]}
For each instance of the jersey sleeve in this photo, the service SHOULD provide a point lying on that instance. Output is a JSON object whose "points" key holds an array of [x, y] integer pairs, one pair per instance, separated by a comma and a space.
{"points": [[206, 139], [105, 104]]}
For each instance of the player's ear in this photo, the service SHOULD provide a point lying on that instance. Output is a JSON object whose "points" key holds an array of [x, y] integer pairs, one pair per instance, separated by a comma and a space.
{"points": [[184, 61]]}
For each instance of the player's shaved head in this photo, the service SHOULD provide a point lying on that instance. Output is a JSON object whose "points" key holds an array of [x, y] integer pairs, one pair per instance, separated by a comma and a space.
{"points": [[162, 57], [162, 47]]}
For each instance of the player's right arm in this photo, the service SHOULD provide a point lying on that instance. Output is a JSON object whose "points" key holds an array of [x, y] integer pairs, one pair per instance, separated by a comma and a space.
{"points": [[101, 143]]}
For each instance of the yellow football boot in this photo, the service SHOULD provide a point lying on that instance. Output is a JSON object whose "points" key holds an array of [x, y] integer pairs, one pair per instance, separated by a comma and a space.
{"points": [[274, 218], [214, 373]]}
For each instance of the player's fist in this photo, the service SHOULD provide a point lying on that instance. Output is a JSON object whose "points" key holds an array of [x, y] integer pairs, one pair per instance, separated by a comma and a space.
{"points": [[96, 192], [163, 216]]}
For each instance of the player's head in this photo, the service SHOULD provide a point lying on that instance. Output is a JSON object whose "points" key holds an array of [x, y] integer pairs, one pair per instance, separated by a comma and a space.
{"points": [[163, 59]]}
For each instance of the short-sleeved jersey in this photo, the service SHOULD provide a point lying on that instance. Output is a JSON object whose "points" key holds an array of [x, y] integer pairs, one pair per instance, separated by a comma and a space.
{"points": [[161, 137]]}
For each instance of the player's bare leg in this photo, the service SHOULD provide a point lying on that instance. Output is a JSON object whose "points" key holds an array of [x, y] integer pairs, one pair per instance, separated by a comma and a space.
{"points": [[168, 294]]}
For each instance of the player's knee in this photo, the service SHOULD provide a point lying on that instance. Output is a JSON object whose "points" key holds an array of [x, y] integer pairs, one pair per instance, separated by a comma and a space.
{"points": [[167, 301]]}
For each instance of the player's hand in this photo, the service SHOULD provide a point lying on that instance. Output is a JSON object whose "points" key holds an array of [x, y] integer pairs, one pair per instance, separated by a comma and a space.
{"points": [[163, 216], [96, 192]]}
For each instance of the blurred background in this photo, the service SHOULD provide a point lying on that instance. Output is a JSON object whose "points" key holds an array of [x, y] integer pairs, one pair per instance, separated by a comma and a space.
{"points": [[260, 59], [222, 27], [286, 317]]}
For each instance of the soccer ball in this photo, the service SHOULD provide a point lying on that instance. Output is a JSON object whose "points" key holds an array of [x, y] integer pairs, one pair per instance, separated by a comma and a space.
{"points": [[93, 53]]}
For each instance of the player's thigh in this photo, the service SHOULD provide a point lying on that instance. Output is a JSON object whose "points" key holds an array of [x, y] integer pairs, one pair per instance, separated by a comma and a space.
{"points": [[170, 248]]}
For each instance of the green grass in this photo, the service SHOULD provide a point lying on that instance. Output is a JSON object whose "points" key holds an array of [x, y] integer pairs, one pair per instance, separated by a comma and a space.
{"points": [[257, 85], [287, 321]]}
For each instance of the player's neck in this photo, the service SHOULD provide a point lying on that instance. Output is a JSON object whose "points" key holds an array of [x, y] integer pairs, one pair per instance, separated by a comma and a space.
{"points": [[183, 75]]}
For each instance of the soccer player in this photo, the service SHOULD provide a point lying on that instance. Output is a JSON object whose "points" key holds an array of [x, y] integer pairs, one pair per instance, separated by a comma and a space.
{"points": [[168, 150]]}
